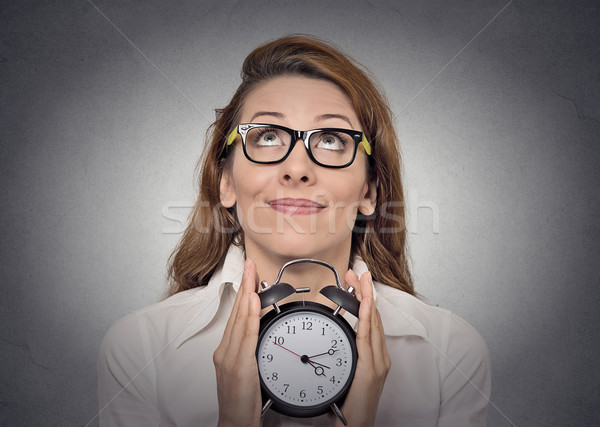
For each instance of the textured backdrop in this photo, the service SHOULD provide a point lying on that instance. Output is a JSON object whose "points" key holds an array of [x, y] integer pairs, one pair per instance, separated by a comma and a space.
{"points": [[104, 106]]}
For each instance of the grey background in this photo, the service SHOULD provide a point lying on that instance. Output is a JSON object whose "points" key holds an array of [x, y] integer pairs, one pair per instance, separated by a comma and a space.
{"points": [[100, 140]]}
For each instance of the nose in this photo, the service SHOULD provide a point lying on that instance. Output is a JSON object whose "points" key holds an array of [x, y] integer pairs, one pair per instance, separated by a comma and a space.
{"points": [[297, 167]]}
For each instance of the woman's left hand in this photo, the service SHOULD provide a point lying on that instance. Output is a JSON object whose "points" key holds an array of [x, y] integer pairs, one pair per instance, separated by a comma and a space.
{"points": [[360, 406], [238, 386]]}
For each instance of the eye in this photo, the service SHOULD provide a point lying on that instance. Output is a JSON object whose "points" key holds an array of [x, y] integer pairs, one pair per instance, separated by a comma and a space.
{"points": [[333, 141], [266, 137]]}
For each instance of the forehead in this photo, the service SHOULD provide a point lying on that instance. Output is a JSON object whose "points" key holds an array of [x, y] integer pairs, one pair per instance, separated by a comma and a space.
{"points": [[299, 101]]}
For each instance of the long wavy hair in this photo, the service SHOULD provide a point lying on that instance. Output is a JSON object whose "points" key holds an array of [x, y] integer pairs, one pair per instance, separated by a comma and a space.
{"points": [[379, 239]]}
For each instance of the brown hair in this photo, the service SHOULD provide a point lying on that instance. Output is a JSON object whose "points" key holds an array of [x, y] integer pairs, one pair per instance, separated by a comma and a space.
{"points": [[379, 239]]}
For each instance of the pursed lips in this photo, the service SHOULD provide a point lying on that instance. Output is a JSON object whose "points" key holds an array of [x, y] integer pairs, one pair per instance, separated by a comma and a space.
{"points": [[293, 206]]}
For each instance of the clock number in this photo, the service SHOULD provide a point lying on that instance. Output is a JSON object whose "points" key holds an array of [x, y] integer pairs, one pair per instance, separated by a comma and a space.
{"points": [[291, 329], [332, 380], [302, 394], [274, 376], [307, 326], [339, 362], [286, 387], [269, 357], [279, 340], [333, 344], [323, 329], [320, 389]]}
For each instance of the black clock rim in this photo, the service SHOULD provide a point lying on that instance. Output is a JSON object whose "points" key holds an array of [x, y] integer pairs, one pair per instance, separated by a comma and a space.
{"points": [[289, 409]]}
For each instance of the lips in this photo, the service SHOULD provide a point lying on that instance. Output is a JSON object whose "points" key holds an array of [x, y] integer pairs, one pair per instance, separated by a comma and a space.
{"points": [[291, 206]]}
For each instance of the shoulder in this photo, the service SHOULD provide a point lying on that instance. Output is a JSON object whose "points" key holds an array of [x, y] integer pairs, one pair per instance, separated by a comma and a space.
{"points": [[461, 356], [157, 320], [126, 366], [165, 324], [448, 332]]}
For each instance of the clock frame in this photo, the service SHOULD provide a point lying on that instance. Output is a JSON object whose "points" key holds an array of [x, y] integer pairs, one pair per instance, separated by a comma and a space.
{"points": [[271, 295]]}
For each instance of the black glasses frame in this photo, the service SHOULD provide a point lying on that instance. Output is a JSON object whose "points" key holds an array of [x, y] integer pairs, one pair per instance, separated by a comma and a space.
{"points": [[357, 136]]}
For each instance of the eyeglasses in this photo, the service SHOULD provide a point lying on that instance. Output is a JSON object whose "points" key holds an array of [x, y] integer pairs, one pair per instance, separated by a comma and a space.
{"points": [[328, 147]]}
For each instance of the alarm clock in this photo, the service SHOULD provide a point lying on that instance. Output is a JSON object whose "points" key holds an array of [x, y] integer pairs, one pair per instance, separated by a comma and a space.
{"points": [[306, 351]]}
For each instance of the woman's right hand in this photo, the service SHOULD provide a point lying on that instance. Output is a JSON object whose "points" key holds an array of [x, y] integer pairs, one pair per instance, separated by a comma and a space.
{"points": [[238, 386], [360, 406]]}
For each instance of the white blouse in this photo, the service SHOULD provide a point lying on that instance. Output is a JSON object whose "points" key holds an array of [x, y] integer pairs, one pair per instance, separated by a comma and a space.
{"points": [[155, 365]]}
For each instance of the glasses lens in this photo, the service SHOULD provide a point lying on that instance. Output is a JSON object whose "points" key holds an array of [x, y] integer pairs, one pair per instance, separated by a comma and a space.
{"points": [[266, 144], [332, 148]]}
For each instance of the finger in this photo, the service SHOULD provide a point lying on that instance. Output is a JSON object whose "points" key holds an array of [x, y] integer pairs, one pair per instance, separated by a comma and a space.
{"points": [[252, 327], [251, 281], [253, 308], [363, 333], [383, 362], [378, 344], [239, 325], [365, 285], [352, 280], [234, 310], [384, 350], [253, 314]]}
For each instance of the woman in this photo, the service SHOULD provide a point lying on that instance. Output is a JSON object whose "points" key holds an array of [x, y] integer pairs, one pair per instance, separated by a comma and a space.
{"points": [[270, 194]]}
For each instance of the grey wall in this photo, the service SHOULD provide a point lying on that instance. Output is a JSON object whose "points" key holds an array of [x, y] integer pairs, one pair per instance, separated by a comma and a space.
{"points": [[499, 125]]}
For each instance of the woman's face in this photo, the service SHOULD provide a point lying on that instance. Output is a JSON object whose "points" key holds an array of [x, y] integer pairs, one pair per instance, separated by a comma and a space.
{"points": [[296, 208]]}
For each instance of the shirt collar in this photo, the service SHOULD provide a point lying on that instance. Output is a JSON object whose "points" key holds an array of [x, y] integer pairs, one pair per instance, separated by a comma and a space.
{"points": [[232, 269], [397, 320], [209, 297]]}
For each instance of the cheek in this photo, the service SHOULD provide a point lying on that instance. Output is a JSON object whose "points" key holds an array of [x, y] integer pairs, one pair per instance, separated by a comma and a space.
{"points": [[250, 184], [247, 179], [349, 188], [348, 201], [348, 198]]}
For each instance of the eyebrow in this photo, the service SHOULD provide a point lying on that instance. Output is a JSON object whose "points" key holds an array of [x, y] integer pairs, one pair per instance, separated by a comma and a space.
{"points": [[268, 113], [334, 116], [319, 118]]}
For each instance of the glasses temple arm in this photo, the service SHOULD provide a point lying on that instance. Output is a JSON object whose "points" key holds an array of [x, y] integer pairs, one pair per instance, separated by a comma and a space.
{"points": [[365, 144], [232, 136]]}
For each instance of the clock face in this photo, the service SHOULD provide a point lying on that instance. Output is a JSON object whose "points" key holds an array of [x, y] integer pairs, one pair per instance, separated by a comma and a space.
{"points": [[306, 358]]}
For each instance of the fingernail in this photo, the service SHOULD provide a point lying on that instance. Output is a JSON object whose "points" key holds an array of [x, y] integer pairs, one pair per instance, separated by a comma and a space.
{"points": [[369, 277]]}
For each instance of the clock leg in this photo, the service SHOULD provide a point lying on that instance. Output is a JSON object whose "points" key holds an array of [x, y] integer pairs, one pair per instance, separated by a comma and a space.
{"points": [[338, 413], [265, 408], [337, 310]]}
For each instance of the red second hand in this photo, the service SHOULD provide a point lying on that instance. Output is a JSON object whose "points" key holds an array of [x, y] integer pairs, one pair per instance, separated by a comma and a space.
{"points": [[287, 349], [307, 360]]}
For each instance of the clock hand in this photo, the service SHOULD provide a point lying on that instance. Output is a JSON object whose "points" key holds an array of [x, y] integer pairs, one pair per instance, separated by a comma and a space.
{"points": [[287, 349], [331, 351], [305, 359], [318, 369], [320, 364], [320, 354]]}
